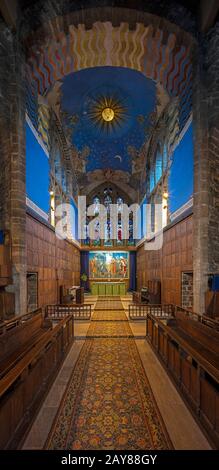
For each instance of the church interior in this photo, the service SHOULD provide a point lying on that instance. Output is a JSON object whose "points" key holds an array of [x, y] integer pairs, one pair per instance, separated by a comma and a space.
{"points": [[109, 225]]}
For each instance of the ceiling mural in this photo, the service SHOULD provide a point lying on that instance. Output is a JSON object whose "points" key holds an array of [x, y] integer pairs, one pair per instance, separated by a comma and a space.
{"points": [[107, 125], [108, 86], [165, 58], [106, 118], [158, 55]]}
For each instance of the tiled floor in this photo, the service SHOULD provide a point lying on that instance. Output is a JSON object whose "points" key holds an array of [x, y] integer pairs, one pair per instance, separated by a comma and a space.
{"points": [[182, 428], [42, 424]]}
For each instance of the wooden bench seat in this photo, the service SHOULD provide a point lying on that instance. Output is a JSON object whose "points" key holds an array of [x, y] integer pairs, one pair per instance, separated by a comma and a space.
{"points": [[189, 350], [25, 383], [11, 360], [19, 336], [209, 356], [198, 332]]}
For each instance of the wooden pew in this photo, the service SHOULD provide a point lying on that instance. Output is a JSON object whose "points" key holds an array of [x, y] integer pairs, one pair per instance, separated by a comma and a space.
{"points": [[25, 384], [189, 350], [18, 336], [197, 333], [204, 319]]}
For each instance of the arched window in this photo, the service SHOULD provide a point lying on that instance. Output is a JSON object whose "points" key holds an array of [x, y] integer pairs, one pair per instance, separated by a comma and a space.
{"points": [[107, 195]]}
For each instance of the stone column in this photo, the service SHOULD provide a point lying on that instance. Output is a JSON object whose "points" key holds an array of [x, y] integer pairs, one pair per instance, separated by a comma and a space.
{"points": [[212, 64], [206, 164], [12, 158]]}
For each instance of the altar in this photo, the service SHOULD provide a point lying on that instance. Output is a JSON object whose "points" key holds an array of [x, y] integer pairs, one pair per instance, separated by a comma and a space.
{"points": [[109, 272], [108, 288]]}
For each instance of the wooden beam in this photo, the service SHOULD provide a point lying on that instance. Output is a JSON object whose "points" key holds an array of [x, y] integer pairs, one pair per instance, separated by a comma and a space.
{"points": [[208, 13], [8, 9]]}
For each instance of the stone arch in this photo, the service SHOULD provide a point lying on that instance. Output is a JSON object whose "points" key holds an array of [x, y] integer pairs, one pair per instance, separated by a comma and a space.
{"points": [[128, 193], [116, 190]]}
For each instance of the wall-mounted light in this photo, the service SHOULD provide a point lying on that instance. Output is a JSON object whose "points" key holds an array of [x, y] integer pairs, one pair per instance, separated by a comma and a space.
{"points": [[52, 208], [165, 208]]}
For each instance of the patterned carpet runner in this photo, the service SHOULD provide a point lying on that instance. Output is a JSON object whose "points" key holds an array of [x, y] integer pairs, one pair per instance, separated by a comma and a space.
{"points": [[109, 304], [106, 329], [109, 315], [108, 403]]}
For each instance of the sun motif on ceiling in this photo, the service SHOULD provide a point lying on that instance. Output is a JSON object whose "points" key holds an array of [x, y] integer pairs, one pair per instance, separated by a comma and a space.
{"points": [[107, 112]]}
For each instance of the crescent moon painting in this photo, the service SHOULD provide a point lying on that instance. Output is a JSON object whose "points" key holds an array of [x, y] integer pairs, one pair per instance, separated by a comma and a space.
{"points": [[118, 157]]}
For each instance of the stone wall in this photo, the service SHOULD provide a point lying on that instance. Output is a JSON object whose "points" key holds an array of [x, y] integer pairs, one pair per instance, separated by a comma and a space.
{"points": [[32, 291], [174, 14], [12, 157], [212, 64], [57, 262], [168, 263], [187, 290]]}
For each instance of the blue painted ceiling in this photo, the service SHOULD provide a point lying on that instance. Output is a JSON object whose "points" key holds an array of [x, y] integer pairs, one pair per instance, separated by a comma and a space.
{"points": [[83, 96]]}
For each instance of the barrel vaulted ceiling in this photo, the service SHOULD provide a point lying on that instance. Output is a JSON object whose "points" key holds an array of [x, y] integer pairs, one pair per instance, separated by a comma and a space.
{"points": [[130, 73]]}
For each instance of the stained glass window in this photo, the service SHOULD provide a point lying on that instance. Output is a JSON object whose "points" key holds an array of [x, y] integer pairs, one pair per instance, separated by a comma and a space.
{"points": [[119, 204], [108, 196], [96, 202], [96, 240], [107, 202]]}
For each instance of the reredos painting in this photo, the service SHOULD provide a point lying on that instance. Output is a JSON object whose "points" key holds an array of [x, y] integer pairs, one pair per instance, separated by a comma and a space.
{"points": [[109, 265]]}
